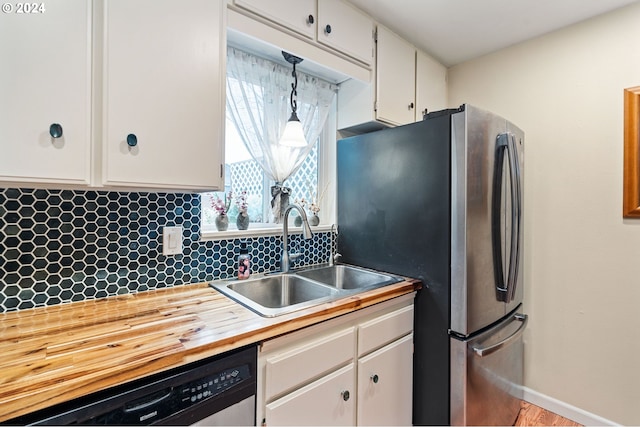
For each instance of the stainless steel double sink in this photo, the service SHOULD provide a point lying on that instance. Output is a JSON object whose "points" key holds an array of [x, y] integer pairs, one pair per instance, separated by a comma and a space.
{"points": [[277, 294]]}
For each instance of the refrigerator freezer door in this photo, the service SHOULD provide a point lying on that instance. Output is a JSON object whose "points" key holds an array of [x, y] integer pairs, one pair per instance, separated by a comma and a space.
{"points": [[487, 374], [482, 265]]}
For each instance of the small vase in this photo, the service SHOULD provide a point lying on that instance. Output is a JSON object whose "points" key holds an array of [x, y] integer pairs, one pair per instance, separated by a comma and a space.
{"points": [[242, 221], [297, 221], [314, 220], [222, 222]]}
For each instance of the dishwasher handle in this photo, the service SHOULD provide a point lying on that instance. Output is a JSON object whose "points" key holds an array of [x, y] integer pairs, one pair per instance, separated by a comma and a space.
{"points": [[148, 401], [485, 351]]}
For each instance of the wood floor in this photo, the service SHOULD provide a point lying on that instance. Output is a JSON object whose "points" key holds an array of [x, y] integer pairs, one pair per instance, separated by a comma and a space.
{"points": [[532, 415]]}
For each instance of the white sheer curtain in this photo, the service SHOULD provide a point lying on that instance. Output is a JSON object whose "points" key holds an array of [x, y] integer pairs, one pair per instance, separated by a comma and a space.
{"points": [[258, 92]]}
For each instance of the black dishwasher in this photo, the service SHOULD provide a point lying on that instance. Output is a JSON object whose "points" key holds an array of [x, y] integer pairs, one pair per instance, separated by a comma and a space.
{"points": [[216, 391]]}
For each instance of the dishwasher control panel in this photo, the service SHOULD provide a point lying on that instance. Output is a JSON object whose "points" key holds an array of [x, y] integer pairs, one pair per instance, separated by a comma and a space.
{"points": [[204, 388], [174, 399]]}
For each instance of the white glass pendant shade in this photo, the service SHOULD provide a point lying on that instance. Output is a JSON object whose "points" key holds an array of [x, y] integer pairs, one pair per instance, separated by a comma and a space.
{"points": [[293, 135]]}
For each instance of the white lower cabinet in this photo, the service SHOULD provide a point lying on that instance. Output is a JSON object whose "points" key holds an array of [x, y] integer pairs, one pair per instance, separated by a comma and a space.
{"points": [[353, 370], [328, 401], [382, 385]]}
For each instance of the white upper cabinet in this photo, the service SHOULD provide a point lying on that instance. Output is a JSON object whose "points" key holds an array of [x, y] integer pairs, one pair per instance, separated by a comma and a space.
{"points": [[335, 24], [164, 92], [431, 85], [115, 93], [297, 15], [407, 81], [395, 78], [45, 93], [346, 29]]}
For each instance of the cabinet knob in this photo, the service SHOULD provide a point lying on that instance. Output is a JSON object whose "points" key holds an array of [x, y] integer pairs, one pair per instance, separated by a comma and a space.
{"points": [[55, 130], [375, 378], [327, 29], [345, 395], [310, 20], [132, 140], [411, 106]]}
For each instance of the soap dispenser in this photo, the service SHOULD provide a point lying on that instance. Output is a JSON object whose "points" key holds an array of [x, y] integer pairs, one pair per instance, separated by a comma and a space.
{"points": [[244, 262]]}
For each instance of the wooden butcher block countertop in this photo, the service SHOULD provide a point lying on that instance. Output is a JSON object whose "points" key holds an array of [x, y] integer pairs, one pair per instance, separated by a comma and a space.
{"points": [[49, 355]]}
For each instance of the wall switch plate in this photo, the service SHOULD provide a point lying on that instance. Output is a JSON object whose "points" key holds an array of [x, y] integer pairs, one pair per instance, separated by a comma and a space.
{"points": [[171, 240]]}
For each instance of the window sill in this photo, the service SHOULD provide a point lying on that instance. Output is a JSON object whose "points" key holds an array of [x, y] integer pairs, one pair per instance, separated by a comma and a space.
{"points": [[258, 232]]}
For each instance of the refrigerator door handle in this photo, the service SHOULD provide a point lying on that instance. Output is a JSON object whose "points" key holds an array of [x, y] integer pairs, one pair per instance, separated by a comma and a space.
{"points": [[505, 143], [516, 217], [485, 351], [502, 142]]}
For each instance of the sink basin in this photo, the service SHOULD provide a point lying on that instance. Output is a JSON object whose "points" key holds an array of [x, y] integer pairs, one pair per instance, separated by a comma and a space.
{"points": [[347, 277], [275, 295], [278, 294]]}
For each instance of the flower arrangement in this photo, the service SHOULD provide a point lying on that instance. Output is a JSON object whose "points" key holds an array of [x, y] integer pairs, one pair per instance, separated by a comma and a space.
{"points": [[221, 207], [241, 203], [314, 206]]}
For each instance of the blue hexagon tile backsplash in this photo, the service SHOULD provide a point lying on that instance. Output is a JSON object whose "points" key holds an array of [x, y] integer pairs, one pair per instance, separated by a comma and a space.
{"points": [[59, 246]]}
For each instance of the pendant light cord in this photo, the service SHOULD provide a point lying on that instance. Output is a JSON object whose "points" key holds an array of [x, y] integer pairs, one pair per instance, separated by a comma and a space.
{"points": [[294, 87]]}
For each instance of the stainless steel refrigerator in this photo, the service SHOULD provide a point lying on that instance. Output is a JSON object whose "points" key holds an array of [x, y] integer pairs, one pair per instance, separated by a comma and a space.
{"points": [[441, 200]]}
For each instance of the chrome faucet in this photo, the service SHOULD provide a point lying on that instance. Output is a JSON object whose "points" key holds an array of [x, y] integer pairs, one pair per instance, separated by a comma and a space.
{"points": [[333, 257], [285, 259]]}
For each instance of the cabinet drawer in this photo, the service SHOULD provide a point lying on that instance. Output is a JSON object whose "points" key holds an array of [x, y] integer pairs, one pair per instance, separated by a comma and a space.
{"points": [[382, 330], [305, 363]]}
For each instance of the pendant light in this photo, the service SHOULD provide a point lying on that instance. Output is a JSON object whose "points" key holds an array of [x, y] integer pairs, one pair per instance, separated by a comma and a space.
{"points": [[293, 135]]}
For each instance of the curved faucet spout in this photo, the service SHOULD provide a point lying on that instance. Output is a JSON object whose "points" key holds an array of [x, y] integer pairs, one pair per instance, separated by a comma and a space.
{"points": [[285, 261]]}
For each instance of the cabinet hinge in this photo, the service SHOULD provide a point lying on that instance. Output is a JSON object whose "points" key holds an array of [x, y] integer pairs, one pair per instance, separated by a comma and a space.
{"points": [[375, 35], [375, 105]]}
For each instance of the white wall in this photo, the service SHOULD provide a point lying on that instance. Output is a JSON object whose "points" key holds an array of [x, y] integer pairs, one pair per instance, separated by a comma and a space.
{"points": [[582, 259]]}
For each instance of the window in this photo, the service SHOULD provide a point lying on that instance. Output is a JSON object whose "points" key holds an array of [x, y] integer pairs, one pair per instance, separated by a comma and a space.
{"points": [[244, 175]]}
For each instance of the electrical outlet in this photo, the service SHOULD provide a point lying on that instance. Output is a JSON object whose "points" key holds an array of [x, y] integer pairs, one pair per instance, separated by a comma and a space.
{"points": [[171, 240]]}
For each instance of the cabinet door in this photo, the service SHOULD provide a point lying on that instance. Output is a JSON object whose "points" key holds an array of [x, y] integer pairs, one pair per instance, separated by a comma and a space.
{"points": [[395, 79], [164, 93], [431, 85], [329, 401], [45, 79], [385, 385], [297, 15], [346, 29]]}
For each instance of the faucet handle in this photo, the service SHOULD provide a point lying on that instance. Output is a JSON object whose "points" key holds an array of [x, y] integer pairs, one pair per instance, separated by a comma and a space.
{"points": [[295, 253], [336, 257]]}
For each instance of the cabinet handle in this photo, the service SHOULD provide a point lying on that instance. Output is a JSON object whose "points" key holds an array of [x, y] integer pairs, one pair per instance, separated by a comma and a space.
{"points": [[55, 130], [310, 20], [327, 29], [132, 140], [375, 378], [345, 395], [411, 106]]}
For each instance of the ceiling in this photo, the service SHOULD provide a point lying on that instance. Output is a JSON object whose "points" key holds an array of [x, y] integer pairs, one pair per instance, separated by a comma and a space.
{"points": [[454, 31]]}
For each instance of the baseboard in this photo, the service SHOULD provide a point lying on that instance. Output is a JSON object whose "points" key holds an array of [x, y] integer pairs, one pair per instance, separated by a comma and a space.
{"points": [[564, 409]]}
